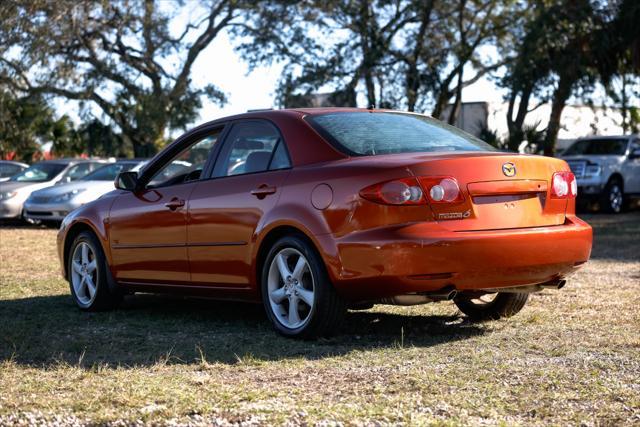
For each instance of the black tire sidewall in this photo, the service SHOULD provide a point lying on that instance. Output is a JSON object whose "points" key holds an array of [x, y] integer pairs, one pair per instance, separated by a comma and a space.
{"points": [[320, 279], [503, 305]]}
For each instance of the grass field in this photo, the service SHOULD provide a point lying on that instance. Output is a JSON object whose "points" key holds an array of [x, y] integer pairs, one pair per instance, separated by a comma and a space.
{"points": [[570, 357]]}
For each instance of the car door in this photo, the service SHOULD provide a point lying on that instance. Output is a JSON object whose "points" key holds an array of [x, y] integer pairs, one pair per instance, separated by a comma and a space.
{"points": [[631, 169], [148, 227], [225, 210]]}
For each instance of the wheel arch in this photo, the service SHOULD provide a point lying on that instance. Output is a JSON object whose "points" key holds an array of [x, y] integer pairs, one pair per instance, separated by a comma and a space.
{"points": [[618, 177], [272, 235], [73, 232]]}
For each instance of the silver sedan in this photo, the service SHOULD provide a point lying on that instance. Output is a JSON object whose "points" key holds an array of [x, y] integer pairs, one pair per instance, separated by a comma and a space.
{"points": [[54, 203], [18, 188]]}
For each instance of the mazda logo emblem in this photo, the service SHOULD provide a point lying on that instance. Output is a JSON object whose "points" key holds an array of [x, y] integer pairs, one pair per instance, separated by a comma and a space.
{"points": [[509, 169]]}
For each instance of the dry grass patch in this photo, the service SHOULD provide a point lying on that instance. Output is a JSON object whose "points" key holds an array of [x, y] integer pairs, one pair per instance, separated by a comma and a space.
{"points": [[570, 357]]}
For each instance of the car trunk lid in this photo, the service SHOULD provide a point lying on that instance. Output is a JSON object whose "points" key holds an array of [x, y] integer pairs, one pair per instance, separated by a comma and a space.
{"points": [[501, 191]]}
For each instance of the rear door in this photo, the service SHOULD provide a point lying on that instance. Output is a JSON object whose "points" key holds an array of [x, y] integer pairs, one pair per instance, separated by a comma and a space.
{"points": [[226, 210], [631, 169]]}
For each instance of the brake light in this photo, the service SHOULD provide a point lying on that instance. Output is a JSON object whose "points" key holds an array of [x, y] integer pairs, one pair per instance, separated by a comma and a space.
{"points": [[564, 185], [441, 189], [404, 191]]}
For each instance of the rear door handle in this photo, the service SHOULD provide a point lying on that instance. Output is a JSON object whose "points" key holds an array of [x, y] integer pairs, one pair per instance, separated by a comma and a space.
{"points": [[175, 203], [263, 191]]}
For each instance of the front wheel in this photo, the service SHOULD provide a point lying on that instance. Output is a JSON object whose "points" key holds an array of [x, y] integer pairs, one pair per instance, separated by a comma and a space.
{"points": [[491, 306], [613, 197], [298, 296], [87, 273]]}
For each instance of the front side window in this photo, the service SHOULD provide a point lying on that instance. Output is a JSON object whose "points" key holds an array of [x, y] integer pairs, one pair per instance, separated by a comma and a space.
{"points": [[370, 134], [40, 172], [252, 147], [109, 172], [187, 165], [79, 171], [598, 147]]}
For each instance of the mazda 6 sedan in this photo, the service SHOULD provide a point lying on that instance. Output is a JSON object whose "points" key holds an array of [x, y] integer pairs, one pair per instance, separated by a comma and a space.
{"points": [[315, 211]]}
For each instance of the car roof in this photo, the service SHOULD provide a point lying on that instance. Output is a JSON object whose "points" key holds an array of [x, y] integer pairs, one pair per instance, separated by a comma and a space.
{"points": [[596, 137], [13, 162], [68, 161], [299, 112]]}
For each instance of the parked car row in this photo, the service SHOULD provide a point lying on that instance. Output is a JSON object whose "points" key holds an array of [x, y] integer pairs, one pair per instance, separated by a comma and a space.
{"points": [[48, 191]]}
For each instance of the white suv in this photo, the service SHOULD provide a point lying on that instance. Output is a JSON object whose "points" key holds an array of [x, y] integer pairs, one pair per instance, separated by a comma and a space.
{"points": [[607, 168]]}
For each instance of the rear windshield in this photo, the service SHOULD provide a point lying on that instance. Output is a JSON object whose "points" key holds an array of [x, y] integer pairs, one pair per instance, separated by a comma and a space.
{"points": [[614, 147], [108, 173], [40, 172], [370, 134]]}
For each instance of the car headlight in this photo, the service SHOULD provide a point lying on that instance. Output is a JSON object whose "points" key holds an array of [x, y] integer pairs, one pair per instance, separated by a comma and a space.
{"points": [[6, 195], [592, 170], [67, 196]]}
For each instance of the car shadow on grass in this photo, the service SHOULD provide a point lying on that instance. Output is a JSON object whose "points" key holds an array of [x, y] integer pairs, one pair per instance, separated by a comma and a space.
{"points": [[147, 329], [615, 237]]}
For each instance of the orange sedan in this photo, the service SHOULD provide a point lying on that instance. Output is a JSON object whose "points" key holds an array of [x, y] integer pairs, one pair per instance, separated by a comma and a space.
{"points": [[313, 212]]}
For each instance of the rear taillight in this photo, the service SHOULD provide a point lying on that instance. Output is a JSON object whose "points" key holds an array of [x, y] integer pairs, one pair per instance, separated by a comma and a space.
{"points": [[404, 191], [564, 185], [415, 191], [441, 189]]}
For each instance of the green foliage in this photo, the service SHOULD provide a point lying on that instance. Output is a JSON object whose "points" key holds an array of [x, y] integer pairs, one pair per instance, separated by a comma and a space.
{"points": [[119, 56], [28, 122]]}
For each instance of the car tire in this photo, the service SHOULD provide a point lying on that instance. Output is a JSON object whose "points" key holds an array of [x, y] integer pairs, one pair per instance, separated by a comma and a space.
{"points": [[298, 296], [613, 196], [88, 275], [500, 305]]}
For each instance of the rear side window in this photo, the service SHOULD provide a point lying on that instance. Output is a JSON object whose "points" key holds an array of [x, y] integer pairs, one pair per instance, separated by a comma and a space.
{"points": [[251, 147], [369, 134]]}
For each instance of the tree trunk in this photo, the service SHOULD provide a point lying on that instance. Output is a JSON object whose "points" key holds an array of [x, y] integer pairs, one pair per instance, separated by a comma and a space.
{"points": [[560, 97], [453, 114], [515, 125]]}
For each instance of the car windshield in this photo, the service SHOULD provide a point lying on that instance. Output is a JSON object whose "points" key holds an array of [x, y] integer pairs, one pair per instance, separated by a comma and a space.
{"points": [[40, 172], [368, 134], [598, 147], [109, 172]]}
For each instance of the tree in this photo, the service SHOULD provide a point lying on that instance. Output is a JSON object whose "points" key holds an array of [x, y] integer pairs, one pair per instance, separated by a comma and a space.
{"points": [[119, 56], [28, 122], [565, 46], [398, 54]]}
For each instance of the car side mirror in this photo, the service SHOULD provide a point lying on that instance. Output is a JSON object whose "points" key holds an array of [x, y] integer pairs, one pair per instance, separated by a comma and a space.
{"points": [[127, 181], [635, 154]]}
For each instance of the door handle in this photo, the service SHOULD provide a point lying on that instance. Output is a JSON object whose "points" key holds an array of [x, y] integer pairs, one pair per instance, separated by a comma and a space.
{"points": [[175, 203], [263, 191]]}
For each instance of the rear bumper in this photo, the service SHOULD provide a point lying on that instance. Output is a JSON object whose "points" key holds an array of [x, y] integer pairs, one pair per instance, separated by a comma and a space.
{"points": [[425, 257]]}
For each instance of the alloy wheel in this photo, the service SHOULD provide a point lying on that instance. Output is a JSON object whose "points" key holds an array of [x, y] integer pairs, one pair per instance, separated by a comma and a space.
{"points": [[84, 273], [615, 198], [291, 288]]}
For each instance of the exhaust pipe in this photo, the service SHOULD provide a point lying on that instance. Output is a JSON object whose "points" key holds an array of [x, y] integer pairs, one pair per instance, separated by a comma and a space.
{"points": [[555, 284]]}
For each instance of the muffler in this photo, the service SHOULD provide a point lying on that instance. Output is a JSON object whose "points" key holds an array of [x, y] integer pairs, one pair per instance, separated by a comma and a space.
{"points": [[444, 294]]}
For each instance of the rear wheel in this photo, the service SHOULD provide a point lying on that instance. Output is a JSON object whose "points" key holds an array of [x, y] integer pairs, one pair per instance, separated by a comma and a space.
{"points": [[298, 297], [613, 196], [491, 306], [87, 272]]}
